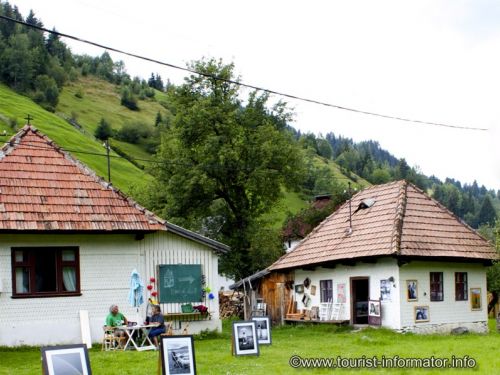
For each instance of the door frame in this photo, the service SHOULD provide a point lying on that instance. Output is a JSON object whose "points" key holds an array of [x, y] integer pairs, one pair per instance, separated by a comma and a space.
{"points": [[352, 293]]}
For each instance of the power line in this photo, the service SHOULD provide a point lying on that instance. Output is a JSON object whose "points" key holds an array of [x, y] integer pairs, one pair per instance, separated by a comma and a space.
{"points": [[254, 87]]}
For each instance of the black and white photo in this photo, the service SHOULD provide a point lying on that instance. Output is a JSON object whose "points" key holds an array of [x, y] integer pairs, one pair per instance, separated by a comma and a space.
{"points": [[385, 290], [374, 309], [263, 329], [411, 290], [245, 338], [421, 314], [66, 360], [177, 355]]}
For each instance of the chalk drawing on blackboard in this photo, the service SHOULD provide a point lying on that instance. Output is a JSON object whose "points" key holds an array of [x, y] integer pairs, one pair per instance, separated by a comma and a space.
{"points": [[168, 280], [189, 279]]}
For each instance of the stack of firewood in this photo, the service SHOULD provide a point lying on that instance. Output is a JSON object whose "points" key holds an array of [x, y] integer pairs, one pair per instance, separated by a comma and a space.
{"points": [[231, 304]]}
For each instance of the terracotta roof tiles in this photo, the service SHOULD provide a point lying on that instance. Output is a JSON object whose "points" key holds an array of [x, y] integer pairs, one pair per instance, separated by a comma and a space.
{"points": [[404, 221]]}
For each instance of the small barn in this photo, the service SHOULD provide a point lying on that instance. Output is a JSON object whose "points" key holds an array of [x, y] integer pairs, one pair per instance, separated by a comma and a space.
{"points": [[391, 256], [69, 242]]}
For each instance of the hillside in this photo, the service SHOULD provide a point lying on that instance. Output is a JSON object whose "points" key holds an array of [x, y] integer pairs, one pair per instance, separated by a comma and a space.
{"points": [[16, 107]]}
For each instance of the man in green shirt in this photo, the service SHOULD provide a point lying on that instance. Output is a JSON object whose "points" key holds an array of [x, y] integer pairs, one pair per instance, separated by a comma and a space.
{"points": [[115, 319]]}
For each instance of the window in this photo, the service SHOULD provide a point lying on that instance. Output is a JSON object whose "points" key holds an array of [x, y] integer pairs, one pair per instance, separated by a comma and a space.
{"points": [[461, 286], [436, 286], [45, 271], [326, 290]]}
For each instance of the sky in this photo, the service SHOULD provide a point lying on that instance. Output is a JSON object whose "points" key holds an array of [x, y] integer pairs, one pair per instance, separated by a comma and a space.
{"points": [[429, 60]]}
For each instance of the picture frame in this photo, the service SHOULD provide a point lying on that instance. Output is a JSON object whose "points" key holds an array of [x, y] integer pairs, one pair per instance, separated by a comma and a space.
{"points": [[245, 338], [263, 329], [177, 355], [299, 288], [374, 312], [385, 290], [313, 290], [412, 290], [421, 314], [475, 299], [64, 359]]}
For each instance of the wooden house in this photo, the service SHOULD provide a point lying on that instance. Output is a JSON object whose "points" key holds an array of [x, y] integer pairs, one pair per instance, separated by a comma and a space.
{"points": [[69, 242], [395, 257]]}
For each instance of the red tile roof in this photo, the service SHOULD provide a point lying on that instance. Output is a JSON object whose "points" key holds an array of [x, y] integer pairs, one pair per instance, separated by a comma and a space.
{"points": [[43, 188], [404, 221]]}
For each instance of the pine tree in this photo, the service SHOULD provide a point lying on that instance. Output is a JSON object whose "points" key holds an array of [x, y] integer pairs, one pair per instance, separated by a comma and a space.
{"points": [[104, 130]]}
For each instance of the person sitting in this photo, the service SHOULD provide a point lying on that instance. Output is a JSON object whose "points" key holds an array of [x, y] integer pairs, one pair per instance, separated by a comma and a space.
{"points": [[157, 319], [115, 319]]}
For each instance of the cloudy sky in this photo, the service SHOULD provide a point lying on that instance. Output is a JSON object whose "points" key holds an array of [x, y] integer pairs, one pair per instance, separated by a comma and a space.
{"points": [[436, 61]]}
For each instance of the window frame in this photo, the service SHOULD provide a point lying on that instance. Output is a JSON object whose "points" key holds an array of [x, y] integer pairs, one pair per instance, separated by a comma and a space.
{"points": [[29, 262], [440, 285], [465, 286], [328, 282]]}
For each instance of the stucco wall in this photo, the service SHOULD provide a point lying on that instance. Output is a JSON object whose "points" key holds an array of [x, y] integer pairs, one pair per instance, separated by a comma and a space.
{"points": [[447, 314], [106, 262], [381, 270]]}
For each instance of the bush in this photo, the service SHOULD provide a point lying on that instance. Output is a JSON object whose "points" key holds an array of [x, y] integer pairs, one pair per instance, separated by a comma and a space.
{"points": [[129, 100], [133, 132], [103, 130], [46, 92]]}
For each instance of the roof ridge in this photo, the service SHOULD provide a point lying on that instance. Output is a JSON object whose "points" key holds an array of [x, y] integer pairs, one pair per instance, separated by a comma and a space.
{"points": [[397, 231], [456, 217], [15, 141]]}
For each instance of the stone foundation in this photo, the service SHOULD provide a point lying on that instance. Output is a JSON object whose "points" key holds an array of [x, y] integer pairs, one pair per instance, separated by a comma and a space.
{"points": [[475, 327]]}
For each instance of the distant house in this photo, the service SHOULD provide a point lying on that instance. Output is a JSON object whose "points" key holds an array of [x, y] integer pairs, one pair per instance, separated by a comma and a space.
{"points": [[400, 248], [69, 242]]}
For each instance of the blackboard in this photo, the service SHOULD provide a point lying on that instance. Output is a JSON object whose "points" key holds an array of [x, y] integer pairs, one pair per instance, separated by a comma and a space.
{"points": [[179, 283]]}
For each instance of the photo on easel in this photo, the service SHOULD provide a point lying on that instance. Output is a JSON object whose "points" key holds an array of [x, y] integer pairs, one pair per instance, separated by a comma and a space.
{"points": [[245, 338], [66, 359], [177, 355], [263, 326]]}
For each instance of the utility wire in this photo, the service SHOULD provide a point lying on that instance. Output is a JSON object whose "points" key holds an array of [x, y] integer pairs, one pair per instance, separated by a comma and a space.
{"points": [[269, 91]]}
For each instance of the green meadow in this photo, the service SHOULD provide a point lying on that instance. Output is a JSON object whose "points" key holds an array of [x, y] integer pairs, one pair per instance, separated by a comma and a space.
{"points": [[213, 353]]}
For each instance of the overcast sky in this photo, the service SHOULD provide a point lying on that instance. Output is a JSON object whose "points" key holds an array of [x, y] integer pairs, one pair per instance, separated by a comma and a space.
{"points": [[436, 61]]}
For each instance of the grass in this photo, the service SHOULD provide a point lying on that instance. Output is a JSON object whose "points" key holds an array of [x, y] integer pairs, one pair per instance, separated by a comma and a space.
{"points": [[124, 175], [213, 352]]}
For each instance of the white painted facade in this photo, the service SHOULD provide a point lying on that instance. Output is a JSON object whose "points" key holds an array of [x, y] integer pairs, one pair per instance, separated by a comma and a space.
{"points": [[398, 313], [106, 262]]}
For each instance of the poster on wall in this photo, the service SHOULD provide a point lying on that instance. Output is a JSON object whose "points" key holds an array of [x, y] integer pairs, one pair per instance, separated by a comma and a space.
{"points": [[385, 290], [341, 293], [374, 313]]}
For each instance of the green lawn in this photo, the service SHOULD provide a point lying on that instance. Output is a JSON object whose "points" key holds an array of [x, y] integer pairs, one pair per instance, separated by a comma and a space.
{"points": [[213, 354]]}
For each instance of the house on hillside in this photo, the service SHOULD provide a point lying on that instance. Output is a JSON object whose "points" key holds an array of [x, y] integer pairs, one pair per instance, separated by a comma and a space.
{"points": [[400, 260], [69, 242]]}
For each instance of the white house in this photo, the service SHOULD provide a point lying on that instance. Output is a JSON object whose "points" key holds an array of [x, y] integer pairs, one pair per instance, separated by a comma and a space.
{"points": [[399, 247], [69, 242]]}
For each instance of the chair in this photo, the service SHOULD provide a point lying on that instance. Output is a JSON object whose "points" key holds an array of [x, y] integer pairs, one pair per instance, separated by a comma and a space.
{"points": [[109, 340]]}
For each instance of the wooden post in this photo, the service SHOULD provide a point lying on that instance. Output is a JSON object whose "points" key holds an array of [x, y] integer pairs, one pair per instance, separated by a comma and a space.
{"points": [[281, 293]]}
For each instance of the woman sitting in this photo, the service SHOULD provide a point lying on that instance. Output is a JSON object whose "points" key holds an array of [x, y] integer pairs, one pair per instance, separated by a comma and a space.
{"points": [[156, 319]]}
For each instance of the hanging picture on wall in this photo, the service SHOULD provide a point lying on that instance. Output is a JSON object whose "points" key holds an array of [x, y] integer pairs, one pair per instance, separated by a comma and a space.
{"points": [[475, 298], [411, 290], [385, 290], [341, 293], [421, 314], [299, 288], [313, 290]]}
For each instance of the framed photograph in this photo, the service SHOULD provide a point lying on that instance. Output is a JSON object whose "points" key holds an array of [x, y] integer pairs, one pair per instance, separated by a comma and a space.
{"points": [[313, 290], [411, 290], [341, 293], [374, 312], [245, 338], [66, 359], [421, 314], [385, 290], [177, 355], [475, 298], [299, 288], [263, 327]]}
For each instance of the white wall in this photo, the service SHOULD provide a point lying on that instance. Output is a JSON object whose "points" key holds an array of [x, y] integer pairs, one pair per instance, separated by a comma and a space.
{"points": [[383, 269], [449, 313], [168, 248], [106, 262]]}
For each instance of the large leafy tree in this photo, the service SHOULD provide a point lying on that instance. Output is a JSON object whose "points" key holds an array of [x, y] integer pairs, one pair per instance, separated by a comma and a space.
{"points": [[222, 163]]}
